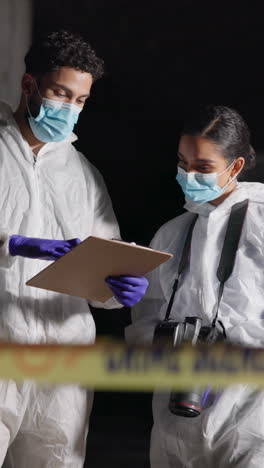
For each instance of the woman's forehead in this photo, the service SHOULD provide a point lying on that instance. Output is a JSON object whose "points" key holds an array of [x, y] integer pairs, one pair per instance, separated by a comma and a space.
{"points": [[200, 148]]}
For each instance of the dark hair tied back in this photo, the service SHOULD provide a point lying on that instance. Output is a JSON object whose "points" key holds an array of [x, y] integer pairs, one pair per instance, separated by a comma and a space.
{"points": [[226, 128]]}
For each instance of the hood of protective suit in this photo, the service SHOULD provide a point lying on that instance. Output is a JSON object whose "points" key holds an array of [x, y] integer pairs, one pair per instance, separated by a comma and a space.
{"points": [[243, 190]]}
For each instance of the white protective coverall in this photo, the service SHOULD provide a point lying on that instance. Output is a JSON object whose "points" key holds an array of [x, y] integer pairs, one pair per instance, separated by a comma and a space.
{"points": [[60, 196], [230, 433]]}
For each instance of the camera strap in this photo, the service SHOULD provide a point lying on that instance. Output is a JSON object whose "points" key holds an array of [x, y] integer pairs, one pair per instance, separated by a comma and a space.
{"points": [[183, 263], [228, 255], [229, 250]]}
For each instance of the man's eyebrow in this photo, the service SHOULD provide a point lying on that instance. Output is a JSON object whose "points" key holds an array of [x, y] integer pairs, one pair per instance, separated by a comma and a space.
{"points": [[181, 155], [68, 90]]}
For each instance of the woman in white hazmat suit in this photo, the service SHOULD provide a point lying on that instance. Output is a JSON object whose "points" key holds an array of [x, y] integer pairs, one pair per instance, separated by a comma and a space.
{"points": [[230, 432]]}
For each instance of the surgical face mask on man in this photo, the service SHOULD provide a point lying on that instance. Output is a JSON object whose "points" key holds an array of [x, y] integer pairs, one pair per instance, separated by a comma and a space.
{"points": [[202, 188], [55, 120]]}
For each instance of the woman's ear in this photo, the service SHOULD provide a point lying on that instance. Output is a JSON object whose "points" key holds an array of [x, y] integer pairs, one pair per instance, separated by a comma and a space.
{"points": [[238, 166]]}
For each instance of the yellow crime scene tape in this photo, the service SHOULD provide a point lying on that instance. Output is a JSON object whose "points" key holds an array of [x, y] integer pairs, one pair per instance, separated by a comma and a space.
{"points": [[110, 365]]}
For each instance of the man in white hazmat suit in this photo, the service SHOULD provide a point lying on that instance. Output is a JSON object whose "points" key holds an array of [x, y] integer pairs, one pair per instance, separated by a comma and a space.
{"points": [[213, 149], [51, 197]]}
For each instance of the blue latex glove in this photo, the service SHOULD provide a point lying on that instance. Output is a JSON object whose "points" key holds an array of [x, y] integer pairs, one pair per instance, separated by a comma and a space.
{"points": [[128, 290], [44, 249]]}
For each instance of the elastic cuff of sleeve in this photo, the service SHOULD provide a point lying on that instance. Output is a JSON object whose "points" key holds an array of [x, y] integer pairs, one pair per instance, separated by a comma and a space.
{"points": [[111, 303], [6, 260]]}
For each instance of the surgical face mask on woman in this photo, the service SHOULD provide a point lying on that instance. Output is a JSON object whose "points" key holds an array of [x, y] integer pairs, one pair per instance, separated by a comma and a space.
{"points": [[55, 120], [202, 188]]}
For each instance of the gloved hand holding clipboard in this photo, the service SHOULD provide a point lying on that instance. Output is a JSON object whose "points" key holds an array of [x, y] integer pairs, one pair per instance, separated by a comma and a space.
{"points": [[83, 270]]}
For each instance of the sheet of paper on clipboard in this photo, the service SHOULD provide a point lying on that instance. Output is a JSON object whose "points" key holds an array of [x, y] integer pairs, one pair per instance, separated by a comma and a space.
{"points": [[82, 271]]}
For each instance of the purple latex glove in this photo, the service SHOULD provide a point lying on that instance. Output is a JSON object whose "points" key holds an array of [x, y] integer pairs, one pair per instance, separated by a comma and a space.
{"points": [[205, 395], [128, 290], [44, 249]]}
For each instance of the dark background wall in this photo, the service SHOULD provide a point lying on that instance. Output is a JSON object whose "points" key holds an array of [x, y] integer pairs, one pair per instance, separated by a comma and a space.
{"points": [[160, 57]]}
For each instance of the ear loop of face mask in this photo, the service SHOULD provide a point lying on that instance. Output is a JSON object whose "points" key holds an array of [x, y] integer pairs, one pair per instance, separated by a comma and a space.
{"points": [[41, 97], [231, 179]]}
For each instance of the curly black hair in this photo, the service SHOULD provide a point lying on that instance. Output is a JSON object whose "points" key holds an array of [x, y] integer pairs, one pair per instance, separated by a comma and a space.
{"points": [[62, 49]]}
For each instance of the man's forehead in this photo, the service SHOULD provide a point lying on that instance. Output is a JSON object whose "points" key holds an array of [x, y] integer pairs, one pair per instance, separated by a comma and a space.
{"points": [[69, 79]]}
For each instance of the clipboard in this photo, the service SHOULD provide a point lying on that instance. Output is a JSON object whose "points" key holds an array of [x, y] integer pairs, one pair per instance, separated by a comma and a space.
{"points": [[82, 271]]}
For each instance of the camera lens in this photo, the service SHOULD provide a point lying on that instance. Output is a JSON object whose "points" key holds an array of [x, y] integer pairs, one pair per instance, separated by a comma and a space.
{"points": [[187, 404]]}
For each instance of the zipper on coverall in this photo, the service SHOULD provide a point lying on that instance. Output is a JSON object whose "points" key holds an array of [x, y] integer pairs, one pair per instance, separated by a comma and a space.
{"points": [[36, 187]]}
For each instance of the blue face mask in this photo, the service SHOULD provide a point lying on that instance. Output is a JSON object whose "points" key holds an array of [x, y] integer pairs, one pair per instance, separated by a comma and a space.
{"points": [[55, 120], [201, 188]]}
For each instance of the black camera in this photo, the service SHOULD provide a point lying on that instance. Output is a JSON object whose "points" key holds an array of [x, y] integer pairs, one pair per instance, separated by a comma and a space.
{"points": [[172, 333]]}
